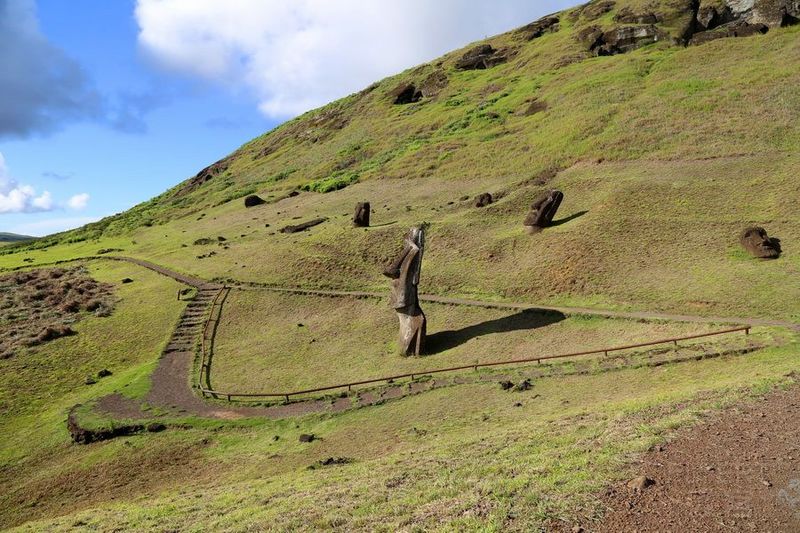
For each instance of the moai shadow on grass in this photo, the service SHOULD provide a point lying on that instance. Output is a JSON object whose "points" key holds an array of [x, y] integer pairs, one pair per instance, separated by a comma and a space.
{"points": [[404, 272], [542, 211]]}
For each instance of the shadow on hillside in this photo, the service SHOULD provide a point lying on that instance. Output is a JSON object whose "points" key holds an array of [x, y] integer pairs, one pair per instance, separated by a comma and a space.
{"points": [[570, 218], [527, 319]]}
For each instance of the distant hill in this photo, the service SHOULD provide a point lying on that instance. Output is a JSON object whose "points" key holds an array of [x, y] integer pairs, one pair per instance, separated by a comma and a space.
{"points": [[13, 237]]}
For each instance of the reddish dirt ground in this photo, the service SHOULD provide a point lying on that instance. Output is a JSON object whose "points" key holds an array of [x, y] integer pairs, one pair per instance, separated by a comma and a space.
{"points": [[737, 471]]}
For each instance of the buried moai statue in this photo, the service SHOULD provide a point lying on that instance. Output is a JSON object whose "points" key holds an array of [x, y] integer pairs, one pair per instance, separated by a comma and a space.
{"points": [[361, 216], [756, 241], [405, 272], [543, 210]]}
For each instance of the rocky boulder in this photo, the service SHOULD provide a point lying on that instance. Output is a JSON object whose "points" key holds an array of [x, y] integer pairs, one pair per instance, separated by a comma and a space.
{"points": [[619, 40], [481, 57], [253, 200], [534, 30], [482, 200], [405, 93]]}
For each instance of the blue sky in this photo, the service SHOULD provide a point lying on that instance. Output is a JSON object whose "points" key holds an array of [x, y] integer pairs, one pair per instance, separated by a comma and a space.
{"points": [[104, 104]]}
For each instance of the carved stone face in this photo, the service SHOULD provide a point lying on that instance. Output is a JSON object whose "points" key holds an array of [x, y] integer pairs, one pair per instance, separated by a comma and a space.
{"points": [[756, 241], [544, 209]]}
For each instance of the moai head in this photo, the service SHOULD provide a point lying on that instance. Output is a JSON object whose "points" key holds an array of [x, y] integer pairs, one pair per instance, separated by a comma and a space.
{"points": [[756, 241], [543, 210]]}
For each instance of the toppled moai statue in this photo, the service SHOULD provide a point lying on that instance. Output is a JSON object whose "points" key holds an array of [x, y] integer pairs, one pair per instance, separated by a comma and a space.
{"points": [[756, 241], [405, 272], [543, 210], [361, 216]]}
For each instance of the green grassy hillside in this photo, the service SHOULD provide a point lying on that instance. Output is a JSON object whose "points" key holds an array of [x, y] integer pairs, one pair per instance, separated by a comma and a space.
{"points": [[664, 152], [13, 237]]}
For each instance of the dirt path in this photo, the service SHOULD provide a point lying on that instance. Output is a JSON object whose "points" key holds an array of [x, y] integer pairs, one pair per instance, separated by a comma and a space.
{"points": [[737, 471]]}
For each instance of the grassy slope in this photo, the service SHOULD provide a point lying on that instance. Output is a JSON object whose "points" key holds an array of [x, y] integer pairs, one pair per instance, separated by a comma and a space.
{"points": [[668, 152], [457, 458], [344, 340], [38, 388], [690, 155]]}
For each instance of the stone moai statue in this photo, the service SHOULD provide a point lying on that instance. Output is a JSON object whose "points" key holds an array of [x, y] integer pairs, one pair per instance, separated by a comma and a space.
{"points": [[405, 272], [543, 210], [361, 216], [758, 244]]}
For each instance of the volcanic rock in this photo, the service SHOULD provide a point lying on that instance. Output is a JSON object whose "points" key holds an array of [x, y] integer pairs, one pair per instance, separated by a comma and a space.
{"points": [[253, 200], [481, 57], [361, 216], [482, 200]]}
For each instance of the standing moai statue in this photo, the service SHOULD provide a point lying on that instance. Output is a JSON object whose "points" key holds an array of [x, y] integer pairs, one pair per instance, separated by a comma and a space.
{"points": [[543, 210], [405, 272], [361, 216]]}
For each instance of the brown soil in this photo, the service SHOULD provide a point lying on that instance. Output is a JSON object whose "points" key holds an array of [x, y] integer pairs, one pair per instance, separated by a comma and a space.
{"points": [[38, 306], [737, 471]]}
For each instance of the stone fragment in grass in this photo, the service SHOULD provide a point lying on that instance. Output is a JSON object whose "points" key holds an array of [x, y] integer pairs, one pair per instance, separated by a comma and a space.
{"points": [[127, 280], [506, 385], [304, 226], [483, 199], [640, 483], [307, 437], [104, 373]]}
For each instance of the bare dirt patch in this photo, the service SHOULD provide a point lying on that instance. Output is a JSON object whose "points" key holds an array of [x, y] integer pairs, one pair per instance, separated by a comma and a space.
{"points": [[38, 306], [738, 471]]}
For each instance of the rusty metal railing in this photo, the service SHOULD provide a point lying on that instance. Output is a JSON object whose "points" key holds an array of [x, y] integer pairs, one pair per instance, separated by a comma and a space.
{"points": [[208, 391]]}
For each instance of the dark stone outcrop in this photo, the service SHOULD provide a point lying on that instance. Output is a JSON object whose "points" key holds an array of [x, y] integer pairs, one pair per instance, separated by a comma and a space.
{"points": [[405, 93], [307, 437], [626, 15], [544, 25], [304, 226], [253, 200], [361, 216], [543, 210], [619, 40], [204, 176], [481, 57], [732, 29], [758, 244], [434, 84], [482, 200]]}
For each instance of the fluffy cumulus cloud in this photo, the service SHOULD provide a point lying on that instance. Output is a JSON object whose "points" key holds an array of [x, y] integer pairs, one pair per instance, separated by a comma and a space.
{"points": [[40, 86], [299, 54], [19, 198]]}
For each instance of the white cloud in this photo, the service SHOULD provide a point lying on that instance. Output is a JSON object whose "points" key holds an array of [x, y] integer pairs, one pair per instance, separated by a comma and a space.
{"points": [[16, 198], [78, 202], [20, 198], [298, 54]]}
